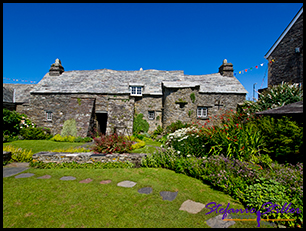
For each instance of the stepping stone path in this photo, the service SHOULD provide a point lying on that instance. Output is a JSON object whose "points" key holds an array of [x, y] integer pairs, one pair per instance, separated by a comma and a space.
{"points": [[217, 222], [105, 181], [188, 205], [24, 175], [44, 177], [86, 181], [167, 195], [127, 184], [68, 178], [146, 190], [192, 206]]}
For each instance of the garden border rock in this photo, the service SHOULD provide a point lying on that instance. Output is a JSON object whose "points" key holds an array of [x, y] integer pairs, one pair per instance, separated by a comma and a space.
{"points": [[88, 157]]}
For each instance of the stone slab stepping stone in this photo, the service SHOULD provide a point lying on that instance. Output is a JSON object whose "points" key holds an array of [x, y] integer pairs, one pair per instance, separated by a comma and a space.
{"points": [[68, 178], [217, 222], [145, 190], [192, 206], [167, 195], [11, 171], [86, 180], [105, 181], [24, 175], [127, 184], [44, 177]]}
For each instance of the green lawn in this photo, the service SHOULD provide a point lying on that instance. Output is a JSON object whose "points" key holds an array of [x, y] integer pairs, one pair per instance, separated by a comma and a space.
{"points": [[41, 145], [44, 203]]}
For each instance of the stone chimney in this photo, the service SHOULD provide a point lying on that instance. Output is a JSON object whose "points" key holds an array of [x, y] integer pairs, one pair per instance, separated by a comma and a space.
{"points": [[56, 68], [226, 69]]}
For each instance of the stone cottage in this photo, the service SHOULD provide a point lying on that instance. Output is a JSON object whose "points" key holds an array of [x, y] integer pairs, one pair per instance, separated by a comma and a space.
{"points": [[108, 99]]}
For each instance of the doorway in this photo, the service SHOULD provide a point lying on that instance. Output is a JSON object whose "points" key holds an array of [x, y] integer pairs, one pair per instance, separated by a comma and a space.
{"points": [[102, 122]]}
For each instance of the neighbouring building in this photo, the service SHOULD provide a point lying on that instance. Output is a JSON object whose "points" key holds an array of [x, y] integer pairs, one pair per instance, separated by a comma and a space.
{"points": [[286, 55], [108, 99]]}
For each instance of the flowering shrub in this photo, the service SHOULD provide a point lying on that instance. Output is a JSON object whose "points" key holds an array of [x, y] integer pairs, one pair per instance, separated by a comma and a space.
{"points": [[187, 141], [275, 96], [111, 143], [13, 122]]}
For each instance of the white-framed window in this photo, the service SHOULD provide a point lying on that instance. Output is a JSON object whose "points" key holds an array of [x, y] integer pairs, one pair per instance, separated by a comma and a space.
{"points": [[136, 90], [49, 115], [202, 112], [151, 115]]}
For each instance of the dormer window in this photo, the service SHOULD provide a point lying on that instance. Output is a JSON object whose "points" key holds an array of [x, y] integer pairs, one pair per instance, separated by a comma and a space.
{"points": [[136, 90]]}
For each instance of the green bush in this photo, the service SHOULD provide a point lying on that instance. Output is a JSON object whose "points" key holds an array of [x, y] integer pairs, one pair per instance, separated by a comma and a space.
{"points": [[60, 138], [13, 122], [283, 138], [69, 128], [175, 126], [140, 125], [38, 133]]}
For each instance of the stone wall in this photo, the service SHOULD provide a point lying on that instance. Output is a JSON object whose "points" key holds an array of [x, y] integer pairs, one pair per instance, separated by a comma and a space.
{"points": [[120, 115], [150, 103], [88, 157], [187, 110], [288, 65], [82, 108]]}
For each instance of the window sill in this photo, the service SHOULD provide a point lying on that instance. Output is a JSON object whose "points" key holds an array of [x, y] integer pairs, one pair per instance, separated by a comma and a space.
{"points": [[203, 118]]}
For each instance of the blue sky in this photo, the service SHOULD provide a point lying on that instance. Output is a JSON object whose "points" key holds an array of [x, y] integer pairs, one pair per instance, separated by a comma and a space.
{"points": [[193, 37]]}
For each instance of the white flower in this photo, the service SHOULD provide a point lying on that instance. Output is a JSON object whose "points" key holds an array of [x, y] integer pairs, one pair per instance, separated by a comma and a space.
{"points": [[178, 152], [188, 155], [203, 145], [161, 146]]}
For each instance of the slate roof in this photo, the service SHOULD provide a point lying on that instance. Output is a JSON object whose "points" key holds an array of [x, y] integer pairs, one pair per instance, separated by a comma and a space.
{"points": [[22, 92], [107, 81], [293, 108]]}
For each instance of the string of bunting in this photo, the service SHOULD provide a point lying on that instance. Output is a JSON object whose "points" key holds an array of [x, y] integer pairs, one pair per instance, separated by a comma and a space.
{"points": [[20, 80], [251, 68]]}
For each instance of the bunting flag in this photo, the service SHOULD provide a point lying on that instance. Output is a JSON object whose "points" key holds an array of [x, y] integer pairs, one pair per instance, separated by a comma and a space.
{"points": [[20, 80], [251, 68]]}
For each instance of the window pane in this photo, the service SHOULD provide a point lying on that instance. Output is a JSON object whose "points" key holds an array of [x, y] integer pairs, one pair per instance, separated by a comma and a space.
{"points": [[133, 90], [138, 90]]}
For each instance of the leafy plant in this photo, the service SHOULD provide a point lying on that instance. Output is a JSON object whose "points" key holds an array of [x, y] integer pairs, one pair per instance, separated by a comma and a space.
{"points": [[19, 155], [275, 96], [71, 149], [140, 125], [192, 97], [268, 190], [13, 122], [111, 143], [69, 128], [175, 126], [36, 133], [60, 138]]}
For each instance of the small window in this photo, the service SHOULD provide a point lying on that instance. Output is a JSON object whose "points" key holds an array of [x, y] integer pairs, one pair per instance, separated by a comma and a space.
{"points": [[202, 112], [151, 115], [49, 115], [136, 90]]}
